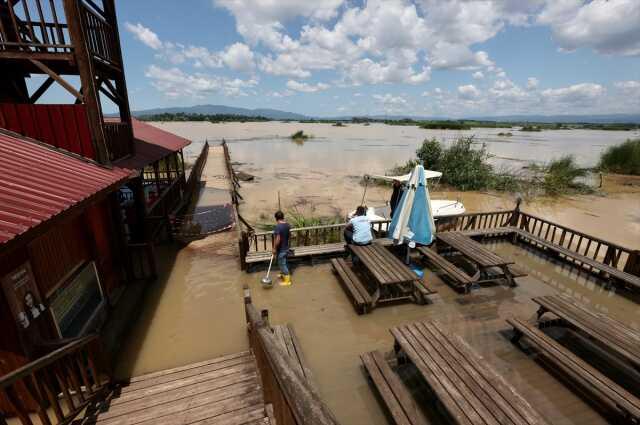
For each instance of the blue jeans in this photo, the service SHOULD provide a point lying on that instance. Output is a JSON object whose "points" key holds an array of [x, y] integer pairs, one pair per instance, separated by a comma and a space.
{"points": [[282, 262]]}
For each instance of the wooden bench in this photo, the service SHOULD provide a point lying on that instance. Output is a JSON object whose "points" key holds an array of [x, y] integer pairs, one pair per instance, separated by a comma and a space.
{"points": [[484, 258], [609, 333], [458, 277], [395, 395], [288, 340], [357, 293], [605, 393], [608, 271], [299, 252], [469, 390]]}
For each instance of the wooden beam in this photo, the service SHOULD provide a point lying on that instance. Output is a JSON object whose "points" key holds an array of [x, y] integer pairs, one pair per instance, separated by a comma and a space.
{"points": [[44, 68], [109, 95], [41, 90]]}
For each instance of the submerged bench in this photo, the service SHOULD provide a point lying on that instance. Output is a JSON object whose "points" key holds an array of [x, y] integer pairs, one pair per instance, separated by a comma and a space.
{"points": [[470, 391], [458, 277], [589, 381], [610, 271], [609, 333], [353, 286], [256, 257], [288, 341], [394, 393]]}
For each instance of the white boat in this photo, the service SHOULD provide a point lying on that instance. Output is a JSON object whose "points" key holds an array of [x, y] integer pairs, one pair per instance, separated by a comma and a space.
{"points": [[441, 208]]}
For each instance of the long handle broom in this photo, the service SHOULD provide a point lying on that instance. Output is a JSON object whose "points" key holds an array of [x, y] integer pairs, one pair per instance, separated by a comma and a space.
{"points": [[266, 281]]}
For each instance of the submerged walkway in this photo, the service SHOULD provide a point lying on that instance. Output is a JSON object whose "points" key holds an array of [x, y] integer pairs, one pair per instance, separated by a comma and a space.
{"points": [[225, 390]]}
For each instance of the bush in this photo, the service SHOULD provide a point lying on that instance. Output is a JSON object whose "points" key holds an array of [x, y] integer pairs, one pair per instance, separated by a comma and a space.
{"points": [[430, 154], [623, 158], [402, 169], [464, 167], [560, 175]]}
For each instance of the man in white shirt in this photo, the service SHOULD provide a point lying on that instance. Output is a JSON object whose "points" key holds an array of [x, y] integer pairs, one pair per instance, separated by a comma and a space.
{"points": [[358, 231]]}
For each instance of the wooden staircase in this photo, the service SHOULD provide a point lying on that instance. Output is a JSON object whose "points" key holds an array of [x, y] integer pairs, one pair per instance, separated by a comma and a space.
{"points": [[225, 390]]}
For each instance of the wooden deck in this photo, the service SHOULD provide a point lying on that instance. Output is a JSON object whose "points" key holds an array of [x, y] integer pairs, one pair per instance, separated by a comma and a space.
{"points": [[611, 334], [580, 375], [470, 391], [298, 253], [288, 341], [225, 390]]}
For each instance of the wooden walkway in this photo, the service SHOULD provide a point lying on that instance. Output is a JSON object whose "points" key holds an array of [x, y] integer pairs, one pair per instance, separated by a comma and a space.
{"points": [[225, 390]]}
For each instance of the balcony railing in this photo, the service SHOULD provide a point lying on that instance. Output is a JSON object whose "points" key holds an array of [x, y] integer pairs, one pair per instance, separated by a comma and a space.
{"points": [[34, 26], [41, 27], [119, 139]]}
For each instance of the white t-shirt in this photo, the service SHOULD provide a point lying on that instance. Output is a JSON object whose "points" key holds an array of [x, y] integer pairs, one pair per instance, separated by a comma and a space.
{"points": [[361, 229]]}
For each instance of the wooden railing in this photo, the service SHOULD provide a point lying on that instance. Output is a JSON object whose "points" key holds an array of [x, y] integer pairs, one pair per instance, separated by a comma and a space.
{"points": [[606, 252], [475, 221], [196, 171], [63, 382], [293, 400], [119, 139], [34, 26], [100, 34]]}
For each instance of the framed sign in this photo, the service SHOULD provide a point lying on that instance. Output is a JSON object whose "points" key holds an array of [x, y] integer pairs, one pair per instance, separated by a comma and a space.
{"points": [[73, 305], [23, 296]]}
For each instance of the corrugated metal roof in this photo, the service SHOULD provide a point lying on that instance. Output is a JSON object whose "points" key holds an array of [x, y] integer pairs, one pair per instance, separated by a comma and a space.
{"points": [[151, 144], [38, 182]]}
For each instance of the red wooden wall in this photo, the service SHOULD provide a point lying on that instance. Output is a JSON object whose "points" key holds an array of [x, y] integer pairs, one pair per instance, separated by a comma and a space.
{"points": [[63, 126]]}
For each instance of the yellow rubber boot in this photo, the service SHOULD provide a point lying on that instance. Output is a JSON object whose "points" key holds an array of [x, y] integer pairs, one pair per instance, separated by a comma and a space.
{"points": [[285, 280]]}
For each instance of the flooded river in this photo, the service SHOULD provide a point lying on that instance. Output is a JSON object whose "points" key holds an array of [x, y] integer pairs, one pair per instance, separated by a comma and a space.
{"points": [[195, 310]]}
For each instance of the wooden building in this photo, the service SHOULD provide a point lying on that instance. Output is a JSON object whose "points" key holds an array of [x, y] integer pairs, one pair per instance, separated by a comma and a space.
{"points": [[86, 195]]}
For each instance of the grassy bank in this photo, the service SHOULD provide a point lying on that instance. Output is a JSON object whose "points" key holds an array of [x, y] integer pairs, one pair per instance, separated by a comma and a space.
{"points": [[465, 166], [622, 159]]}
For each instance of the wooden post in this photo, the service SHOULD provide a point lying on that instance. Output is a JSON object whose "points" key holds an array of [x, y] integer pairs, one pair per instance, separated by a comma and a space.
{"points": [[516, 213], [632, 266], [244, 249], [78, 34]]}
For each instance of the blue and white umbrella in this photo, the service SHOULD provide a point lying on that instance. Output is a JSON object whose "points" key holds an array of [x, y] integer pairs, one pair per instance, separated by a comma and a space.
{"points": [[413, 220]]}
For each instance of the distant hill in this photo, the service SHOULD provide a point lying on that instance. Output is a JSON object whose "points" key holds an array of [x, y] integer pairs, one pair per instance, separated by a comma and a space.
{"points": [[275, 114], [272, 114], [594, 119]]}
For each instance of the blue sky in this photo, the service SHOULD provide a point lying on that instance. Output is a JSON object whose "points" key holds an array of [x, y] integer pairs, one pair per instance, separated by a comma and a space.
{"points": [[424, 57]]}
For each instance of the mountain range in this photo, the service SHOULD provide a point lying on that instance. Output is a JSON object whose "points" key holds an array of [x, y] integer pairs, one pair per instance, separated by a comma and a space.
{"points": [[275, 114]]}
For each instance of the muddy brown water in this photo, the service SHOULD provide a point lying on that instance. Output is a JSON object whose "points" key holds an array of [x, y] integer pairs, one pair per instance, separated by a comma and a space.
{"points": [[195, 310]]}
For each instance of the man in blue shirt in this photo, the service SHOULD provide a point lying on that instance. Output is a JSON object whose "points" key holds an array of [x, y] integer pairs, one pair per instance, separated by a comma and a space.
{"points": [[358, 230], [281, 236]]}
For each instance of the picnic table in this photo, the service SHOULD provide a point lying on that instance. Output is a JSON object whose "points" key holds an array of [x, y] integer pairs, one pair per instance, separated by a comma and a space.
{"points": [[469, 390], [482, 257], [609, 333], [393, 280]]}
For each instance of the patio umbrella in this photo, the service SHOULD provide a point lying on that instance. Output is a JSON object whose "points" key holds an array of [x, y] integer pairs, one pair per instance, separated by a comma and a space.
{"points": [[413, 220]]}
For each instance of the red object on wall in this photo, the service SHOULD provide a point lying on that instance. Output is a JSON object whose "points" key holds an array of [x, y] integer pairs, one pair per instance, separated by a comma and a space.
{"points": [[62, 126]]}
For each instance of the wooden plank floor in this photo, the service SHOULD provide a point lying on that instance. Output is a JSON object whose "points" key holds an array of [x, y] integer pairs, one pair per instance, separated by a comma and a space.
{"points": [[225, 390]]}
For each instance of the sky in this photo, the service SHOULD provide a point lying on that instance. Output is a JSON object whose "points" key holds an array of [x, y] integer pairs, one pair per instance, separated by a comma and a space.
{"points": [[453, 58]]}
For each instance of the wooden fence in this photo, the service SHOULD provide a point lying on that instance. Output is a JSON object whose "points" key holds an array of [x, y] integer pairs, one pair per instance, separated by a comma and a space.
{"points": [[64, 381], [292, 400], [609, 253]]}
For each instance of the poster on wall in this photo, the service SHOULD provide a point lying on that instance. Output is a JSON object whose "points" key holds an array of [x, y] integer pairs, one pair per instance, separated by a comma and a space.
{"points": [[20, 289]]}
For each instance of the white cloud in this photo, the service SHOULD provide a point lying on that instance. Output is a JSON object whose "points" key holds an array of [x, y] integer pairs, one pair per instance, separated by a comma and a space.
{"points": [[607, 26], [578, 94], [238, 57], [532, 83], [174, 83], [478, 75], [306, 88], [468, 92], [629, 85], [391, 103], [144, 34]]}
